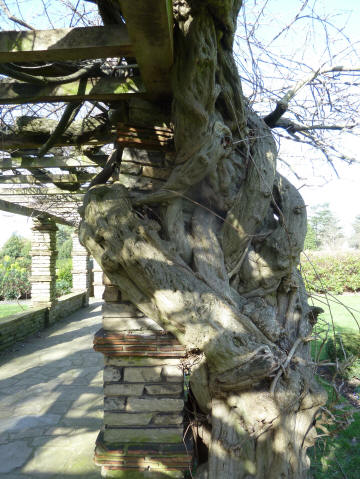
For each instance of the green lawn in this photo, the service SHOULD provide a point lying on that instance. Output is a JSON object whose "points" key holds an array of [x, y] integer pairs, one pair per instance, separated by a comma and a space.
{"points": [[345, 310], [8, 309], [341, 312], [337, 457]]}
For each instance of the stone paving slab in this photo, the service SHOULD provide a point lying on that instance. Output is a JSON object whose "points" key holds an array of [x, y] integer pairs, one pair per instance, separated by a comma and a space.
{"points": [[51, 401]]}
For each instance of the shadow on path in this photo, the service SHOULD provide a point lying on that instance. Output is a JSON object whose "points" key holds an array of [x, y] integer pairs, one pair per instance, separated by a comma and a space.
{"points": [[51, 401]]}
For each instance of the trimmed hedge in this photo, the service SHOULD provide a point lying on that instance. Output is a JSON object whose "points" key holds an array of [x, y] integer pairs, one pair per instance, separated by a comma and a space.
{"points": [[335, 273]]}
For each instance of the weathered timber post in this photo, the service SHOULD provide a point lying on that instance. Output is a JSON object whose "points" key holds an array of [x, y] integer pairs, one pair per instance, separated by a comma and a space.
{"points": [[143, 434], [43, 264], [80, 267]]}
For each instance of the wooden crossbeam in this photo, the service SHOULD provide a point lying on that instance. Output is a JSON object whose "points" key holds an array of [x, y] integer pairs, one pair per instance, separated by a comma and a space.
{"points": [[31, 212], [65, 44], [61, 206], [97, 89], [31, 180], [51, 162], [150, 27], [34, 131], [40, 191]]}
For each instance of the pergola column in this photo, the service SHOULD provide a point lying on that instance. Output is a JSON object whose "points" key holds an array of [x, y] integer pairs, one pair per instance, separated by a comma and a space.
{"points": [[143, 435], [43, 264], [80, 266]]}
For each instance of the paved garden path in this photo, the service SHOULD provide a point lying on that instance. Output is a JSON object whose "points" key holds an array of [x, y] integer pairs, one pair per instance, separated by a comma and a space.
{"points": [[51, 402]]}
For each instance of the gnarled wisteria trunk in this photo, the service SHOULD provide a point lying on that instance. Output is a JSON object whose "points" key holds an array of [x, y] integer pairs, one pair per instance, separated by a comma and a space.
{"points": [[211, 254]]}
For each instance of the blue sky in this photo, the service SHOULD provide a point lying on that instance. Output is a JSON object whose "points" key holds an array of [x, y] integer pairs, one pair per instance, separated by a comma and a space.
{"points": [[39, 13]]}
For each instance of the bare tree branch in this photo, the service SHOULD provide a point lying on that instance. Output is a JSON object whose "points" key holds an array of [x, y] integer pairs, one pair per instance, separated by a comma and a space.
{"points": [[283, 104], [292, 127], [4, 7]]}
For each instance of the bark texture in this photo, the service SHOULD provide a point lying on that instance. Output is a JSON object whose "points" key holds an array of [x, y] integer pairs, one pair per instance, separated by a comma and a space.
{"points": [[211, 254]]}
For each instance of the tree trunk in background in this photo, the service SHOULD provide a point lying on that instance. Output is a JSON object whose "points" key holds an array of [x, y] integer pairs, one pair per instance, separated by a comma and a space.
{"points": [[212, 256]]}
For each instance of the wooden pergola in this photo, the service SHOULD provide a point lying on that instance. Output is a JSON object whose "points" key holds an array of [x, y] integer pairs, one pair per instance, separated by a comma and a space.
{"points": [[44, 173], [30, 182]]}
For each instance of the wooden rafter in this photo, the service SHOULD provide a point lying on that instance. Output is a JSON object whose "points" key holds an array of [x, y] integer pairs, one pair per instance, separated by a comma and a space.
{"points": [[147, 35], [34, 131], [40, 191], [150, 40], [51, 162], [55, 178], [65, 44], [96, 89], [150, 27], [55, 205], [31, 212]]}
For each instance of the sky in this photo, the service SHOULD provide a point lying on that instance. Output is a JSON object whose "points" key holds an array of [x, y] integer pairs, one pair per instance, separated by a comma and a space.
{"points": [[342, 194], [318, 184]]}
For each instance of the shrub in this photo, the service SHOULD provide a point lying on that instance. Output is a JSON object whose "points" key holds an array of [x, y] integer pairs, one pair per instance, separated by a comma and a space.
{"points": [[65, 249], [331, 273], [15, 264], [16, 247], [14, 280], [62, 287], [64, 277], [345, 346], [64, 241]]}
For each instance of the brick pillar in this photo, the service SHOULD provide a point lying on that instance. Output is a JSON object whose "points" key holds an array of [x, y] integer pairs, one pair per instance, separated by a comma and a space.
{"points": [[98, 285], [80, 267], [43, 263], [143, 433]]}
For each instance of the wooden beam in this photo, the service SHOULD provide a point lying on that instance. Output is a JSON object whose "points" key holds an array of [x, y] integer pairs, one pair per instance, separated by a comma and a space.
{"points": [[54, 205], [31, 212], [51, 178], [40, 191], [32, 132], [150, 27], [65, 44], [97, 89], [50, 162]]}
